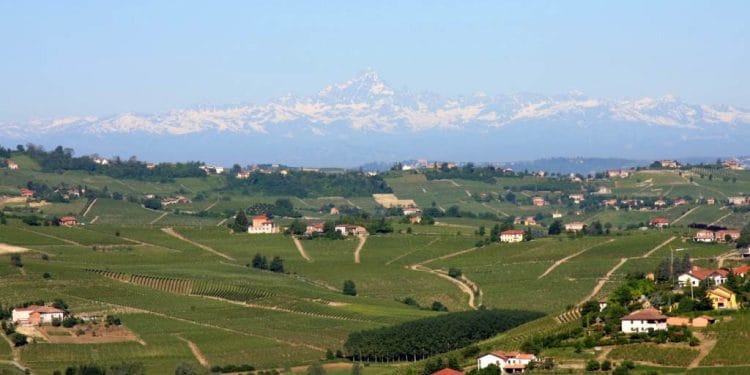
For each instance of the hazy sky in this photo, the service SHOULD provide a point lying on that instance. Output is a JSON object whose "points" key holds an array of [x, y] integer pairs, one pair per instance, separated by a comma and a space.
{"points": [[102, 57]]}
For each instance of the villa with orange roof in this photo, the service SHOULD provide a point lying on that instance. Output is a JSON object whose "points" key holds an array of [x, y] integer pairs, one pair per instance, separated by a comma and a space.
{"points": [[36, 315], [508, 362], [262, 224], [644, 321], [696, 275]]}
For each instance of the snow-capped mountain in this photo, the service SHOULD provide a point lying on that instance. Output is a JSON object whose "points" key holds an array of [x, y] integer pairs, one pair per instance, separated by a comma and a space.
{"points": [[367, 107]]}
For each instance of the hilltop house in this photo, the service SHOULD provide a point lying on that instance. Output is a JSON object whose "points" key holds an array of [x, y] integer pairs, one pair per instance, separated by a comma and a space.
{"points": [[334, 211], [576, 226], [348, 229], [511, 236], [243, 175], [722, 298], [738, 201], [539, 201], [696, 275], [11, 164], [508, 362], [645, 320], [175, 200], [704, 235], [36, 315], [262, 224], [660, 222], [669, 164], [409, 211], [314, 228], [67, 221], [27, 193], [732, 164], [576, 198]]}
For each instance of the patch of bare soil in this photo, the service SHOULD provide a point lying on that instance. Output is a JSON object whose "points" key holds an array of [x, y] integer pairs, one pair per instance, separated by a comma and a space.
{"points": [[9, 249], [89, 333]]}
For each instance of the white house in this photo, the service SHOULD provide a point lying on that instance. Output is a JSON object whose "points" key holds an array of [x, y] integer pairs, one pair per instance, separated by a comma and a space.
{"points": [[738, 201], [508, 362], [409, 211], [645, 320], [512, 235], [36, 315], [574, 227], [697, 274], [348, 229], [262, 224]]}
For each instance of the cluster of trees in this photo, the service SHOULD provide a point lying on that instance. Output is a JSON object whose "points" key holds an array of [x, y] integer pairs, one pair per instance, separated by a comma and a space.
{"points": [[305, 184], [435, 306], [232, 368], [469, 171], [62, 159], [423, 338], [96, 369], [261, 262], [17, 338], [281, 207]]}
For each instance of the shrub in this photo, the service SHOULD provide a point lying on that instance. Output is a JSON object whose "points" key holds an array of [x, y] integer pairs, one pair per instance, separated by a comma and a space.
{"points": [[438, 306], [592, 365], [69, 322], [606, 365], [46, 275], [349, 289], [454, 272], [18, 339]]}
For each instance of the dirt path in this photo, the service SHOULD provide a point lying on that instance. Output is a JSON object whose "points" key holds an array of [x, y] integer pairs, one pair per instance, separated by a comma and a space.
{"points": [[659, 246], [197, 353], [94, 220], [89, 207], [569, 257], [16, 355], [9, 249], [721, 218], [461, 285], [412, 252], [70, 242], [178, 236], [446, 256], [210, 206], [706, 345], [301, 249], [685, 214], [721, 258], [221, 222], [603, 281], [497, 210], [362, 240], [159, 218]]}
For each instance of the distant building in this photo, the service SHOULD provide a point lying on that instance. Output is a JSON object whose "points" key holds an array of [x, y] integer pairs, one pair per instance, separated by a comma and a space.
{"points": [[243, 175], [660, 203], [334, 211], [680, 202], [27, 193], [739, 200], [67, 221], [508, 362], [576, 226], [409, 211], [710, 201], [704, 235], [660, 222], [556, 215], [315, 228], [36, 315], [511, 236], [732, 164], [11, 164], [576, 198], [539, 201], [175, 200], [150, 166], [618, 173], [604, 190], [610, 202], [645, 320], [696, 275], [669, 164], [723, 234], [348, 229], [262, 224]]}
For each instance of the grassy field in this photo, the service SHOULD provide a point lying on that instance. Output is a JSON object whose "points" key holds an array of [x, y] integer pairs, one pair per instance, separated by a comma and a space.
{"points": [[680, 356]]}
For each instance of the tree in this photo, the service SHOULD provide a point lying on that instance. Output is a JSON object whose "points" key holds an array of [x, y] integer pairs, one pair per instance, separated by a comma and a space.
{"points": [[606, 365], [454, 272], [592, 365], [349, 289], [356, 369], [438, 306], [241, 222], [277, 265], [297, 227], [481, 231], [555, 228], [152, 203], [18, 339], [329, 354], [15, 260]]}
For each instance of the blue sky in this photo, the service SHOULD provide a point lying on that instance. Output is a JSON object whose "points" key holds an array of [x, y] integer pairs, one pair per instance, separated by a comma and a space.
{"points": [[102, 57]]}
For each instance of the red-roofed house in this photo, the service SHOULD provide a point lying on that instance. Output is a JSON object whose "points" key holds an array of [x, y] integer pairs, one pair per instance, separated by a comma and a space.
{"points": [[741, 271], [262, 224], [448, 371], [27, 193], [643, 321], [36, 315], [697, 275], [680, 202], [660, 222], [732, 234], [508, 362], [67, 221], [315, 228], [512, 235]]}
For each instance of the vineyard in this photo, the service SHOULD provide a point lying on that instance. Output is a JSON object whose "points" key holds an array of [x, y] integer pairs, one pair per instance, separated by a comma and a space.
{"points": [[657, 354]]}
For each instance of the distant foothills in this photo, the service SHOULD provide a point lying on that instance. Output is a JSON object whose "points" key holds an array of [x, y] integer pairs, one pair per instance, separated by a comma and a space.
{"points": [[61, 158]]}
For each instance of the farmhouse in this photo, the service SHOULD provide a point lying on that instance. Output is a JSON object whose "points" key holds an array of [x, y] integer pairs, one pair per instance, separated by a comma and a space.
{"points": [[556, 215], [409, 211], [348, 229], [660, 222], [696, 275], [722, 298], [27, 193], [508, 362], [710, 201], [576, 226], [678, 321], [511, 236], [644, 321], [36, 315], [539, 201], [727, 235], [415, 219], [67, 221], [660, 203], [243, 175], [704, 236], [617, 173], [703, 321], [682, 321], [732, 164], [315, 228], [610, 202], [739, 201], [262, 224], [741, 271], [680, 202], [745, 252], [668, 164], [11, 164], [604, 190], [576, 198], [334, 211], [174, 200]]}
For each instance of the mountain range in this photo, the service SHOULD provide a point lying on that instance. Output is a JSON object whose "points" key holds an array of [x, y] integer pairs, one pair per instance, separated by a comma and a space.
{"points": [[365, 119]]}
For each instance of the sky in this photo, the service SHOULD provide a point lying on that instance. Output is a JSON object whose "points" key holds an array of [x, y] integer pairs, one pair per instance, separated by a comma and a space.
{"points": [[60, 58]]}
